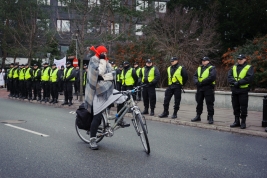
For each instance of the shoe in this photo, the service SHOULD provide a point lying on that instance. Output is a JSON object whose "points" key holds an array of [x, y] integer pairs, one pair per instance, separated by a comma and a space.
{"points": [[210, 119], [34, 98], [65, 103], [52, 100], [174, 115], [152, 112], [145, 111], [197, 118], [55, 101], [70, 103], [164, 114], [236, 123], [243, 123], [93, 144], [123, 124]]}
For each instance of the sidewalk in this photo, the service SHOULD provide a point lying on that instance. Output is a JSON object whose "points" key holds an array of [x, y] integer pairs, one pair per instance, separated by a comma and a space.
{"points": [[223, 117]]}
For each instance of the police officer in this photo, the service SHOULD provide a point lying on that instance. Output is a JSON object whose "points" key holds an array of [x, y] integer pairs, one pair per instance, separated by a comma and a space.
{"points": [[36, 84], [22, 88], [61, 82], [113, 65], [149, 75], [138, 71], [204, 78], [69, 79], [54, 78], [28, 81], [240, 77], [128, 77], [45, 82], [9, 79], [15, 81], [85, 69], [118, 77], [177, 77], [77, 80]]}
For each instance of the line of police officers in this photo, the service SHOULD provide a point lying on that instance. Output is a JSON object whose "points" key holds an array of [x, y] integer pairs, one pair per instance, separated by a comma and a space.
{"points": [[23, 82]]}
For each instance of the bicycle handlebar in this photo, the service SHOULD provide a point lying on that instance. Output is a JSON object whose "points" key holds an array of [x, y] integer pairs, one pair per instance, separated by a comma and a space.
{"points": [[130, 91]]}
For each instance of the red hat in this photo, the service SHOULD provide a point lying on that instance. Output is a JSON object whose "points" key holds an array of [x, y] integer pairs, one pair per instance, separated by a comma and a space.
{"points": [[101, 49]]}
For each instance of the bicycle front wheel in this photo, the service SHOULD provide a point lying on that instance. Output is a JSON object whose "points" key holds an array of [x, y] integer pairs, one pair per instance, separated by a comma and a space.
{"points": [[85, 134], [142, 132]]}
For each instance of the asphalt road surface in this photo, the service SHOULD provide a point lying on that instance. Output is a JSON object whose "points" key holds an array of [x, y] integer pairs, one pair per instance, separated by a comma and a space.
{"points": [[45, 144]]}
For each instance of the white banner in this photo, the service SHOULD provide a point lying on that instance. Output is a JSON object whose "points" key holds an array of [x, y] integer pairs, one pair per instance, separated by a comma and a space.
{"points": [[60, 62]]}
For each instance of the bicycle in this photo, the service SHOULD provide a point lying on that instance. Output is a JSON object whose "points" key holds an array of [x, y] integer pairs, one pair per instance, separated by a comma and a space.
{"points": [[106, 129]]}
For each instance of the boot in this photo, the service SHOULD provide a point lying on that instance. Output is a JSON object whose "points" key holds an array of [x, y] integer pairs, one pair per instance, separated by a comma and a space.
{"points": [[152, 112], [174, 116], [210, 118], [34, 98], [145, 111], [93, 144], [55, 101], [236, 123], [243, 123], [197, 118], [164, 114], [52, 100], [65, 103], [46, 99], [70, 102]]}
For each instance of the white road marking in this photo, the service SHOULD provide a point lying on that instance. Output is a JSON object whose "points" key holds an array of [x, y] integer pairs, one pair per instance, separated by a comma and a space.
{"points": [[72, 112], [37, 133]]}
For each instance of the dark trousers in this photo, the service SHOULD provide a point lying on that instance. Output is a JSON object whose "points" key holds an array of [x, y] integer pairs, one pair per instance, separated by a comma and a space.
{"points": [[54, 90], [118, 86], [46, 89], [77, 86], [60, 86], [240, 104], [15, 86], [36, 85], [208, 95], [149, 96], [95, 123], [28, 84], [83, 89], [139, 92], [169, 92], [22, 88], [68, 91]]}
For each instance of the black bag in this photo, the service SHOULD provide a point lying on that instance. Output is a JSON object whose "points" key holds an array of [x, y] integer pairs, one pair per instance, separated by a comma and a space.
{"points": [[83, 118]]}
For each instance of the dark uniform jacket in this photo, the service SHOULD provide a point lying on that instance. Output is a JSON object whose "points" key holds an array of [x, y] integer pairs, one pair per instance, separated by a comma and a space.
{"points": [[206, 83], [246, 80], [183, 74], [156, 78]]}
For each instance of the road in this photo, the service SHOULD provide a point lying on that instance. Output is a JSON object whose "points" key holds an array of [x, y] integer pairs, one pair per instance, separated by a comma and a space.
{"points": [[55, 150]]}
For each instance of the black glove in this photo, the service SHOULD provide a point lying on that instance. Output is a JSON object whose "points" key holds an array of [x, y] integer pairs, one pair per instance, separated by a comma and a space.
{"points": [[199, 84], [236, 84], [102, 56]]}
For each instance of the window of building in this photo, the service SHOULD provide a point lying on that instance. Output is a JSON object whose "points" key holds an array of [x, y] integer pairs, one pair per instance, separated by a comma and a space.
{"points": [[160, 6], [138, 29], [64, 49], [43, 2], [63, 25], [63, 3], [115, 28], [43, 24], [93, 3], [141, 5]]}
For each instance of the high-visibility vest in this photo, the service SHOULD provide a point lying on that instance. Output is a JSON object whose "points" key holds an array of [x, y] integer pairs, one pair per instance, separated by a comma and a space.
{"points": [[176, 76], [15, 73], [151, 74], [22, 74], [84, 78], [35, 73], [204, 75], [138, 72], [27, 73], [68, 74], [53, 75], [241, 75], [127, 79], [10, 73], [45, 75]]}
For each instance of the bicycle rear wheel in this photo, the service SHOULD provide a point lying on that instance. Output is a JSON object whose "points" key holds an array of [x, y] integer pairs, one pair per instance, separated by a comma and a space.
{"points": [[85, 134], [142, 132]]}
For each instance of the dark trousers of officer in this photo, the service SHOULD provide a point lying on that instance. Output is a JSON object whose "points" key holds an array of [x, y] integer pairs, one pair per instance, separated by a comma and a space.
{"points": [[36, 85], [10, 87], [60, 86], [28, 84], [68, 91], [15, 86], [169, 92], [54, 90], [139, 92], [46, 89], [208, 95], [240, 104], [77, 86], [118, 86], [149, 96], [22, 88]]}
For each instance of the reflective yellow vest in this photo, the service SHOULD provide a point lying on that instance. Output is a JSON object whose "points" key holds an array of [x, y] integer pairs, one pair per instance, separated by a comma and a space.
{"points": [[10, 73], [53, 75], [15, 73], [151, 74], [45, 74], [22, 74], [35, 72], [68, 74], [127, 79], [84, 78], [176, 75], [204, 75], [242, 75], [138, 72], [118, 76], [27, 74]]}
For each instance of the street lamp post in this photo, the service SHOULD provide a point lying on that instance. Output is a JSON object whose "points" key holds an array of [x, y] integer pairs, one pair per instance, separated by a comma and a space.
{"points": [[48, 57]]}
